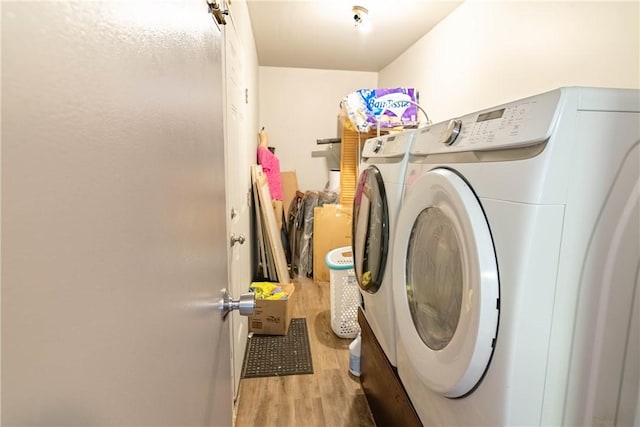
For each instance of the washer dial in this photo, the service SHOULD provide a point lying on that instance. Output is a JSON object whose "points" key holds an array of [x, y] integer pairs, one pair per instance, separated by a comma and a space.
{"points": [[451, 132]]}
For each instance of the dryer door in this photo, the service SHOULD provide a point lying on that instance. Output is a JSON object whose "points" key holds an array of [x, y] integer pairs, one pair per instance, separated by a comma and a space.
{"points": [[370, 230], [447, 293]]}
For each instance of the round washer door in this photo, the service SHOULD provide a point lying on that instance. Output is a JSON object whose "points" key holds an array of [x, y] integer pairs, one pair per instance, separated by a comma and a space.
{"points": [[370, 230], [446, 289]]}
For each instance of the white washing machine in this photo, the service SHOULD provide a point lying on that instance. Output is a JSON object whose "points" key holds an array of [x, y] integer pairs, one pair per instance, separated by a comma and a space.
{"points": [[375, 209], [515, 264]]}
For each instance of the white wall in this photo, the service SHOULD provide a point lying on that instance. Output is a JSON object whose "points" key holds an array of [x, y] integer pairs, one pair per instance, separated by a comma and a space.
{"points": [[298, 106], [489, 52], [249, 58]]}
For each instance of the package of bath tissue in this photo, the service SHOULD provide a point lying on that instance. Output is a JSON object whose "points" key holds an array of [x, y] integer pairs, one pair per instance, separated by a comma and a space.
{"points": [[390, 107]]}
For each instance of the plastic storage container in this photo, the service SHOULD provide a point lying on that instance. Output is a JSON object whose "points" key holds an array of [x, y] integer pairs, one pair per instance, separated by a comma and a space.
{"points": [[344, 292]]}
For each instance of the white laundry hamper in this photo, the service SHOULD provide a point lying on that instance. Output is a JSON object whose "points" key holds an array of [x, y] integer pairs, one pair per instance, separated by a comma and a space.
{"points": [[345, 296]]}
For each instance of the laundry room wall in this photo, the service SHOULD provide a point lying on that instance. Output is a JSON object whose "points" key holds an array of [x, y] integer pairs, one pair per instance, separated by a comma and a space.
{"points": [[487, 53], [298, 106], [250, 69]]}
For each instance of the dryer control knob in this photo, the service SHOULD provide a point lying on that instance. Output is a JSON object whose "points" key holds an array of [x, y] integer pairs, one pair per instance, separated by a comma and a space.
{"points": [[378, 147], [451, 132]]}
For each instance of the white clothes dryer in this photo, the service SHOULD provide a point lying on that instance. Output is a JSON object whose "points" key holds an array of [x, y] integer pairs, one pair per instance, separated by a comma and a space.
{"points": [[516, 260], [375, 210]]}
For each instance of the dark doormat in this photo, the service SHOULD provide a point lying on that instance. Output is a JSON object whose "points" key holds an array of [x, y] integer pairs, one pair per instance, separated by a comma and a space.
{"points": [[278, 355]]}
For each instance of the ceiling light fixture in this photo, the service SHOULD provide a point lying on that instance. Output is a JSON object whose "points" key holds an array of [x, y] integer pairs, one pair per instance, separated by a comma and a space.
{"points": [[361, 18]]}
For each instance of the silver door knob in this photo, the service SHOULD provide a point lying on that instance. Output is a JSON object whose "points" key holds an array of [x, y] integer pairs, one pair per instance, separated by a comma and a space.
{"points": [[245, 304], [237, 239]]}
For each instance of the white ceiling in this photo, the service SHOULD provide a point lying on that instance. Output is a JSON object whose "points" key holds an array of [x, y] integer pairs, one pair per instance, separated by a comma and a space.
{"points": [[321, 33]]}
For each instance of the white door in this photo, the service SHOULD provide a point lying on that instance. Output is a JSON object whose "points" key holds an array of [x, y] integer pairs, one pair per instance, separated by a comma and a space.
{"points": [[447, 293], [113, 215], [238, 185]]}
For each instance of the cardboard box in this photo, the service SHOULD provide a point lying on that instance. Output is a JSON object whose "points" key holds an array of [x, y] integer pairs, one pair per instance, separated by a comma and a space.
{"points": [[331, 229], [289, 187], [272, 317]]}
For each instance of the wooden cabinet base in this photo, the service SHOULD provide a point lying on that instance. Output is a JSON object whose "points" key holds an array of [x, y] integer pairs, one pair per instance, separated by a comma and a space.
{"points": [[387, 398]]}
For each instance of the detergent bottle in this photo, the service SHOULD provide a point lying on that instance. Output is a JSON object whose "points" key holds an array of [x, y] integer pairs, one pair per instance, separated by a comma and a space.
{"points": [[354, 356]]}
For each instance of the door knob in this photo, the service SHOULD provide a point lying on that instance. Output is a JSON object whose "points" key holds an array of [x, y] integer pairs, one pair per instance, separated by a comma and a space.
{"points": [[245, 304], [237, 239]]}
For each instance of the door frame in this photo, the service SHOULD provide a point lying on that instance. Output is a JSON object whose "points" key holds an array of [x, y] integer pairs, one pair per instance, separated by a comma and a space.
{"points": [[236, 191]]}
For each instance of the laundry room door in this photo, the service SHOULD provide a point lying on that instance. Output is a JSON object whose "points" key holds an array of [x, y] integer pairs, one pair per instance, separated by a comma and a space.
{"points": [[370, 230], [113, 216], [237, 174], [446, 291]]}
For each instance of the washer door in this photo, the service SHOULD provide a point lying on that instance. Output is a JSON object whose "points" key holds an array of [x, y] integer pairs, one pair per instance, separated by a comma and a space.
{"points": [[446, 291], [370, 230]]}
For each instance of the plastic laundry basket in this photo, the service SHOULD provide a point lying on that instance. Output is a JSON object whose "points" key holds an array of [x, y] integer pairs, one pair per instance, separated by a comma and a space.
{"points": [[344, 292]]}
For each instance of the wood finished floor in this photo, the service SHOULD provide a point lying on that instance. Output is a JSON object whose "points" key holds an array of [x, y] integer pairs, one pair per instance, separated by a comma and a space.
{"points": [[330, 397]]}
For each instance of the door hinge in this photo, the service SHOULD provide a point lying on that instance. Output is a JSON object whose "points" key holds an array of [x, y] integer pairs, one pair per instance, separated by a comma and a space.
{"points": [[218, 14]]}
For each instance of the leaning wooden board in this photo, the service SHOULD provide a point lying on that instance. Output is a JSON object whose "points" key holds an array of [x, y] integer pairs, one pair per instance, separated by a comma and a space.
{"points": [[263, 265], [275, 241]]}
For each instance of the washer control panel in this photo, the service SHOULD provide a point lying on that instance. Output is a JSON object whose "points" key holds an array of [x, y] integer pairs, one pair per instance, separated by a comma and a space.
{"points": [[520, 123], [395, 145]]}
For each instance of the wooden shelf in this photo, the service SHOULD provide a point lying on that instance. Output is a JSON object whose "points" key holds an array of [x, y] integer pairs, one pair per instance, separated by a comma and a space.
{"points": [[350, 149]]}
